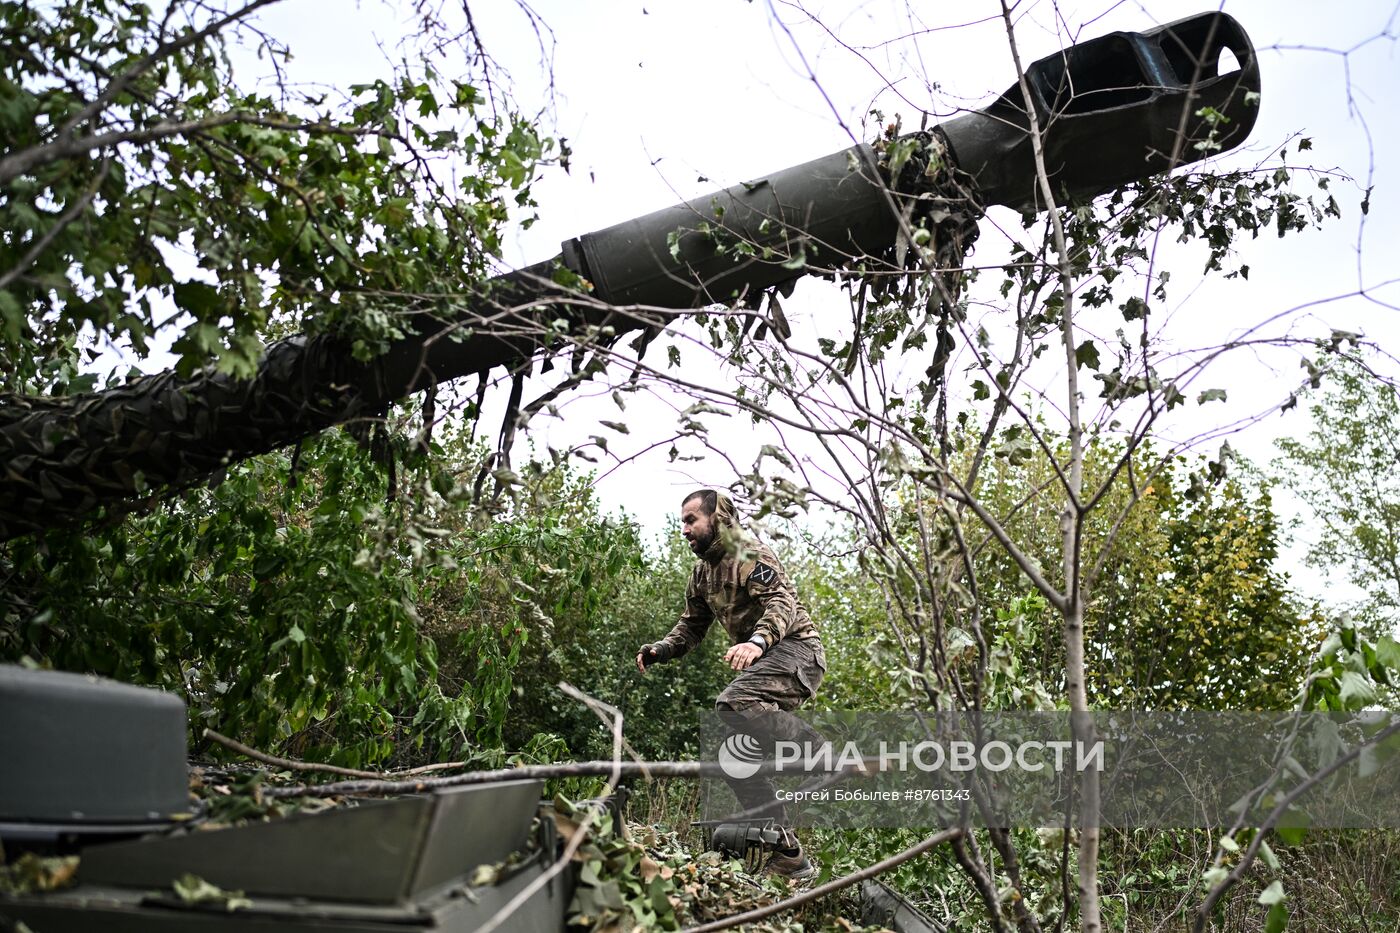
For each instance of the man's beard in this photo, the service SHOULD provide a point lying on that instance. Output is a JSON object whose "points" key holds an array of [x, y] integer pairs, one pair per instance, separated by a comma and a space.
{"points": [[701, 545]]}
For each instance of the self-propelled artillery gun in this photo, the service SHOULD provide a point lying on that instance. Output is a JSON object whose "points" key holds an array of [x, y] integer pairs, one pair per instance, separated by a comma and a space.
{"points": [[98, 769]]}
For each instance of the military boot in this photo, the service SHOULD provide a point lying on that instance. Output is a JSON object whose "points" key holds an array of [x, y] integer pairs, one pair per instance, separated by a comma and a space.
{"points": [[791, 864], [794, 867]]}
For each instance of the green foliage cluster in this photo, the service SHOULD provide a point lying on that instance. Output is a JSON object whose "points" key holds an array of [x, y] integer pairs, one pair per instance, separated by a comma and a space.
{"points": [[660, 709], [255, 599], [1188, 609], [310, 613], [1152, 880], [1349, 673], [300, 608], [1343, 470], [129, 143]]}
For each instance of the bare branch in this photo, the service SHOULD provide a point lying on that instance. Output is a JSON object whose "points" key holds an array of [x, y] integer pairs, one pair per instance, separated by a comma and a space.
{"points": [[894, 861], [289, 764], [581, 831], [27, 160], [1247, 858]]}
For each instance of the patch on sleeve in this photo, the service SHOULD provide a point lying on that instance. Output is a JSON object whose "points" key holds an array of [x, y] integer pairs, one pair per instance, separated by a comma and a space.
{"points": [[763, 574]]}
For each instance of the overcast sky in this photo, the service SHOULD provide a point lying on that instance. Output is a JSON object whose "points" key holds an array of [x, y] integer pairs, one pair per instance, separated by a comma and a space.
{"points": [[655, 95]]}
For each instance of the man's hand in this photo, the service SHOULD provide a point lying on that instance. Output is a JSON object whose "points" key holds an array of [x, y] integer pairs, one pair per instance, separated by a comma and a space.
{"points": [[742, 655], [647, 657]]}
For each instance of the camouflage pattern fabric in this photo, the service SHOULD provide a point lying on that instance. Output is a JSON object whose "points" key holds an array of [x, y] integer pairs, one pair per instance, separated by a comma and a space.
{"points": [[740, 583], [760, 702], [787, 676]]}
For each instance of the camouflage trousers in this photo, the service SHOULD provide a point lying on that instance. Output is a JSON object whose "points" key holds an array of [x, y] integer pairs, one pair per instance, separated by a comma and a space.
{"points": [[760, 702]]}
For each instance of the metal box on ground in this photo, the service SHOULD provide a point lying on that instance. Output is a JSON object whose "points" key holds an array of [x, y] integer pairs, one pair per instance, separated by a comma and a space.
{"points": [[81, 749]]}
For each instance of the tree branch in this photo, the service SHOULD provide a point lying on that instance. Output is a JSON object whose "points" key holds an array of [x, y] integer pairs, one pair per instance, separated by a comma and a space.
{"points": [[164, 50], [870, 871], [1247, 859], [289, 764], [27, 160], [386, 787], [67, 217]]}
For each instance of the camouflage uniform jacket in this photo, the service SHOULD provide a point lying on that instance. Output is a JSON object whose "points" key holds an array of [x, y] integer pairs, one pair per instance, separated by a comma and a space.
{"points": [[741, 585]]}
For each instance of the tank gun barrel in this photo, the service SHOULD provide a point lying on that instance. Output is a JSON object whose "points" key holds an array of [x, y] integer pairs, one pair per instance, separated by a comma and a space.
{"points": [[1112, 110]]}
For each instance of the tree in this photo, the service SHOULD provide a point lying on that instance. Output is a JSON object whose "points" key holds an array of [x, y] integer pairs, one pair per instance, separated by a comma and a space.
{"points": [[357, 222], [868, 422], [1344, 472], [1188, 612]]}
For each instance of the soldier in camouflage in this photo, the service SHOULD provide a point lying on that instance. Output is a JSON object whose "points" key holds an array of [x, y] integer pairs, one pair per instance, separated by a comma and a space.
{"points": [[774, 647]]}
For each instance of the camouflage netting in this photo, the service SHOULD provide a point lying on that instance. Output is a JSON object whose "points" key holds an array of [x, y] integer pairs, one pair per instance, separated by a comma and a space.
{"points": [[66, 457]]}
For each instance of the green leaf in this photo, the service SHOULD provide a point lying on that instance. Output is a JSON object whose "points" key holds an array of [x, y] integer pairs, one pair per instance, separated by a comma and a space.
{"points": [[11, 317], [1211, 395], [768, 450], [1229, 844], [1087, 355], [1273, 894], [198, 298], [799, 259], [1277, 920], [1356, 691], [1388, 652]]}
